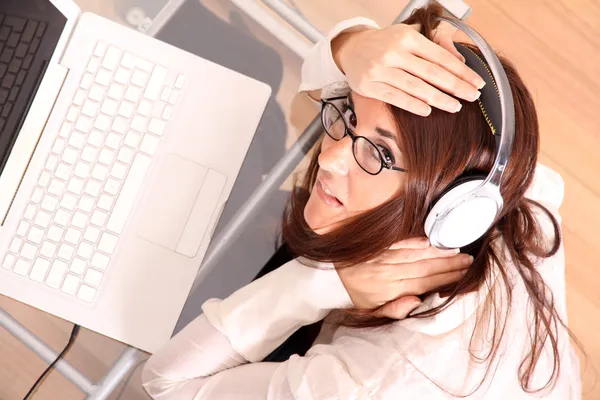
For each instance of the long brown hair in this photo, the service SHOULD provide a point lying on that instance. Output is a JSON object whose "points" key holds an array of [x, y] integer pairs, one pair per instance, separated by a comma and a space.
{"points": [[438, 149]]}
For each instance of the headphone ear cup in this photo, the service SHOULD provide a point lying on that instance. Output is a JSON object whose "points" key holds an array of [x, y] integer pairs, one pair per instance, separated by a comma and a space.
{"points": [[464, 224], [458, 181]]}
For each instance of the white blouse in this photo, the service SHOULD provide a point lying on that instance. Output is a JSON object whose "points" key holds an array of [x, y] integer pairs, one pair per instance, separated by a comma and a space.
{"points": [[217, 356]]}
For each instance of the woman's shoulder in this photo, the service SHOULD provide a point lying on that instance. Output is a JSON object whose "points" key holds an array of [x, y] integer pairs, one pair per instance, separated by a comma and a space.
{"points": [[547, 188]]}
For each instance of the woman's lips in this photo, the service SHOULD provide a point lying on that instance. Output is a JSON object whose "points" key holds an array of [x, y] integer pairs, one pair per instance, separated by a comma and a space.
{"points": [[327, 199]]}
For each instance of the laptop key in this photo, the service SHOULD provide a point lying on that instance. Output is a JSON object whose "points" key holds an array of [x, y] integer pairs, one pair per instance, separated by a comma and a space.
{"points": [[15, 66], [17, 24], [93, 277], [157, 79], [112, 58], [8, 81], [21, 77], [3, 96], [39, 270], [35, 43], [8, 262], [78, 265], [100, 49], [100, 261], [7, 55], [27, 61], [13, 39], [6, 110], [55, 233], [4, 33], [70, 284], [66, 251], [22, 267], [3, 69], [129, 192], [72, 236], [57, 271], [36, 235], [13, 94], [48, 249], [86, 293], [29, 31], [28, 251], [21, 50], [41, 29]]}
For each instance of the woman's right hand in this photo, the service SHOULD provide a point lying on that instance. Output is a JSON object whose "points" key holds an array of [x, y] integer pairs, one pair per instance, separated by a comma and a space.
{"points": [[399, 66], [391, 283]]}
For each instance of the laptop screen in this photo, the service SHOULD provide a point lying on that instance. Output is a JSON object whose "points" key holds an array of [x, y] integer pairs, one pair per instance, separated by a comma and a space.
{"points": [[29, 33]]}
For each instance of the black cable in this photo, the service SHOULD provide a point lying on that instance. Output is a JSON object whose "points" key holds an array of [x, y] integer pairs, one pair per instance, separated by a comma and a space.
{"points": [[40, 380]]}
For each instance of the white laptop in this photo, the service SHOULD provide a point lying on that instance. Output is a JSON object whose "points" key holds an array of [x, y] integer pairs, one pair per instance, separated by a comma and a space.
{"points": [[118, 153]]}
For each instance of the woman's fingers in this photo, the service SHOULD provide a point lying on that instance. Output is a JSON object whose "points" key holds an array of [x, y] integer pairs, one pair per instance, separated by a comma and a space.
{"points": [[435, 82], [412, 243], [407, 255], [412, 77], [395, 96], [433, 266], [399, 308], [430, 51], [419, 286], [443, 36]]}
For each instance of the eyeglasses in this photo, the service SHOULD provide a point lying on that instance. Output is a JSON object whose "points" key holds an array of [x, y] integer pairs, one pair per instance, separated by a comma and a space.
{"points": [[367, 155]]}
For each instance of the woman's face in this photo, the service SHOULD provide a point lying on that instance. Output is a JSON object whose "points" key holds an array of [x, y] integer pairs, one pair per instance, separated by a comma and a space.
{"points": [[342, 188]]}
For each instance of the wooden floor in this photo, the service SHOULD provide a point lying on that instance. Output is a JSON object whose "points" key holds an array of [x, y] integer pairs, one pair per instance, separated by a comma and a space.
{"points": [[555, 45]]}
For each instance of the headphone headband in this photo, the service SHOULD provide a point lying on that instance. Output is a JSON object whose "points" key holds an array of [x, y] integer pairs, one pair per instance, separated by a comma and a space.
{"points": [[501, 112], [467, 209]]}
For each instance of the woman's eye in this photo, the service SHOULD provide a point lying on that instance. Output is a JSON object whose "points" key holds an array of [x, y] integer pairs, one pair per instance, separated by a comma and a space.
{"points": [[349, 115], [352, 119], [387, 154]]}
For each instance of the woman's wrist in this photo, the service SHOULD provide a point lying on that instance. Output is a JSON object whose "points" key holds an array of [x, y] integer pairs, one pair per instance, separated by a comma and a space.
{"points": [[341, 43]]}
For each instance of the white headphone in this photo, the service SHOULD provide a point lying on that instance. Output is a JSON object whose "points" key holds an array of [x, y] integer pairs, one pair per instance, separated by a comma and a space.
{"points": [[469, 206]]}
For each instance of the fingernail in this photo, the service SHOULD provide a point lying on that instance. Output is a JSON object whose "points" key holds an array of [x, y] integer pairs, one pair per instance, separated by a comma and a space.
{"points": [[454, 251], [425, 111], [469, 260], [457, 107], [474, 95], [464, 272], [479, 83], [464, 60]]}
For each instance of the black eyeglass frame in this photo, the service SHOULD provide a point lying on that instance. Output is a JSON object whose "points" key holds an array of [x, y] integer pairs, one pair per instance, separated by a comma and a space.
{"points": [[354, 137]]}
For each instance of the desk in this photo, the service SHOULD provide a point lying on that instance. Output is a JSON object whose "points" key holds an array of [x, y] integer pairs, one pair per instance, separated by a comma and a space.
{"points": [[251, 233]]}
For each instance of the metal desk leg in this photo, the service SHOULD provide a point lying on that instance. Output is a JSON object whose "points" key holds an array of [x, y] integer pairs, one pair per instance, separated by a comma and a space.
{"points": [[115, 374], [44, 351]]}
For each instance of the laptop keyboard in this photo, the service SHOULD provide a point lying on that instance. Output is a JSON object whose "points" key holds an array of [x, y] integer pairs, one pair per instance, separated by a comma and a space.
{"points": [[85, 193], [19, 42]]}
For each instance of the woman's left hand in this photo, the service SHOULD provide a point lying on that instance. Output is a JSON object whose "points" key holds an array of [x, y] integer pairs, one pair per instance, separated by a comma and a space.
{"points": [[392, 282], [400, 66]]}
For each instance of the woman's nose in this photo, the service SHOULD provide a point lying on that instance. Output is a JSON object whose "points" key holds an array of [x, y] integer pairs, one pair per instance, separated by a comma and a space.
{"points": [[336, 156]]}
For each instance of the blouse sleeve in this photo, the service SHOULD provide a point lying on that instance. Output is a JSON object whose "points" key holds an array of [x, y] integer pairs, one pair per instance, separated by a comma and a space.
{"points": [[209, 358], [198, 364], [319, 70]]}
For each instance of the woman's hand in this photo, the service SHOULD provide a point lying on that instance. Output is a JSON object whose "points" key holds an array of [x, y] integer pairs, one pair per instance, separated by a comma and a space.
{"points": [[399, 66], [394, 280]]}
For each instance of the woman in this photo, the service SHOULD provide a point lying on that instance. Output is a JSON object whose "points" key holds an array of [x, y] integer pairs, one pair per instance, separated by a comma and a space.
{"points": [[488, 328]]}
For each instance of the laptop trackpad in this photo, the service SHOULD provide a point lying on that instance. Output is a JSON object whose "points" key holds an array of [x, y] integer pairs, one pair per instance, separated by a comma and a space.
{"points": [[180, 206]]}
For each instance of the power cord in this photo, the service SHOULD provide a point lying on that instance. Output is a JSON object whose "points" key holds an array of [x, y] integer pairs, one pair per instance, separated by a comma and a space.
{"points": [[40, 380]]}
